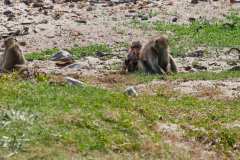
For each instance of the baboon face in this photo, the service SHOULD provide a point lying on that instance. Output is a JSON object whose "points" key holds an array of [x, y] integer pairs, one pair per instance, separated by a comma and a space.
{"points": [[9, 41], [161, 42], [136, 45]]}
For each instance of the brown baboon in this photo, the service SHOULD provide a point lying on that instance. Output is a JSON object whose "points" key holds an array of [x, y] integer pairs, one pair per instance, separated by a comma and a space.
{"points": [[131, 63], [12, 55], [155, 57]]}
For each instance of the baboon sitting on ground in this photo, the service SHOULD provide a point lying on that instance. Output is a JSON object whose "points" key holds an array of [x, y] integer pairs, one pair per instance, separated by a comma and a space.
{"points": [[12, 55], [155, 57]]}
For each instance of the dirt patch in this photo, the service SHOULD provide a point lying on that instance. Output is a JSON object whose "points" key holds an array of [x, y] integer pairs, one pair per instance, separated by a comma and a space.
{"points": [[174, 136], [66, 24], [227, 89]]}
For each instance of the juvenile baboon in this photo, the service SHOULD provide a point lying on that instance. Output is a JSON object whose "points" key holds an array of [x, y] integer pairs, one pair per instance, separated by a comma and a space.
{"points": [[131, 63], [155, 57], [12, 55]]}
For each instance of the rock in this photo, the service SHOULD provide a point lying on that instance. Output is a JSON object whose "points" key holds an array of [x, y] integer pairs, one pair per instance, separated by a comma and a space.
{"points": [[22, 43], [8, 2], [27, 2], [81, 21], [99, 54], [65, 63], [174, 19], [130, 91], [62, 56], [144, 18], [72, 81], [9, 14], [79, 66], [123, 1], [194, 1], [199, 67], [191, 19], [189, 69], [38, 5], [235, 68], [89, 8]]}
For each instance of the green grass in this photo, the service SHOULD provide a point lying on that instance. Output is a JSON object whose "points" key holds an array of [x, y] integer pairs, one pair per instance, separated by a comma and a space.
{"points": [[184, 38], [223, 75], [41, 55], [46, 121], [76, 51]]}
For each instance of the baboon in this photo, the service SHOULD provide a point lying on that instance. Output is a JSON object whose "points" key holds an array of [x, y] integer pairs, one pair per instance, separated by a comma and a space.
{"points": [[155, 57], [12, 55], [131, 63]]}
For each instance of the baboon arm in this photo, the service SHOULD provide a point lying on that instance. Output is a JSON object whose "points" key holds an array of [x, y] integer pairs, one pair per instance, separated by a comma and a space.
{"points": [[145, 66], [159, 70], [173, 64], [148, 68]]}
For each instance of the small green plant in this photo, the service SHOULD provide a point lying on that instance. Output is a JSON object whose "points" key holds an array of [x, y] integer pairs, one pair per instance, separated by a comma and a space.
{"points": [[90, 50], [186, 37], [41, 55]]}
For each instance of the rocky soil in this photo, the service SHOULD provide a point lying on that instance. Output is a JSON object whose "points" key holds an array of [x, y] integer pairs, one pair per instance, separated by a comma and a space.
{"points": [[44, 24]]}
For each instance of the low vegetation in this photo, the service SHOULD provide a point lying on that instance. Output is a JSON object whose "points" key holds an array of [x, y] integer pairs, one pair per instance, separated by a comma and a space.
{"points": [[184, 38], [49, 121], [205, 75], [76, 51]]}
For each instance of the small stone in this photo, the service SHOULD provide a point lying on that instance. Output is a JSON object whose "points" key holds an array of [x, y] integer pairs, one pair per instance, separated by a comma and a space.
{"points": [[197, 53], [38, 5], [235, 68], [89, 8], [81, 21], [130, 91], [74, 82], [174, 19], [62, 56], [191, 19], [99, 54], [8, 2], [8, 13], [199, 67], [144, 18], [23, 43], [194, 1]]}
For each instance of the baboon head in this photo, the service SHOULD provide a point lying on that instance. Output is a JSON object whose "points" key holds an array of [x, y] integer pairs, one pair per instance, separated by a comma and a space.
{"points": [[161, 42], [9, 41], [133, 56]]}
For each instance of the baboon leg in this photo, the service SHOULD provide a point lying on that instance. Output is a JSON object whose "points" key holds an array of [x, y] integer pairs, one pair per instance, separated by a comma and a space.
{"points": [[173, 64]]}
